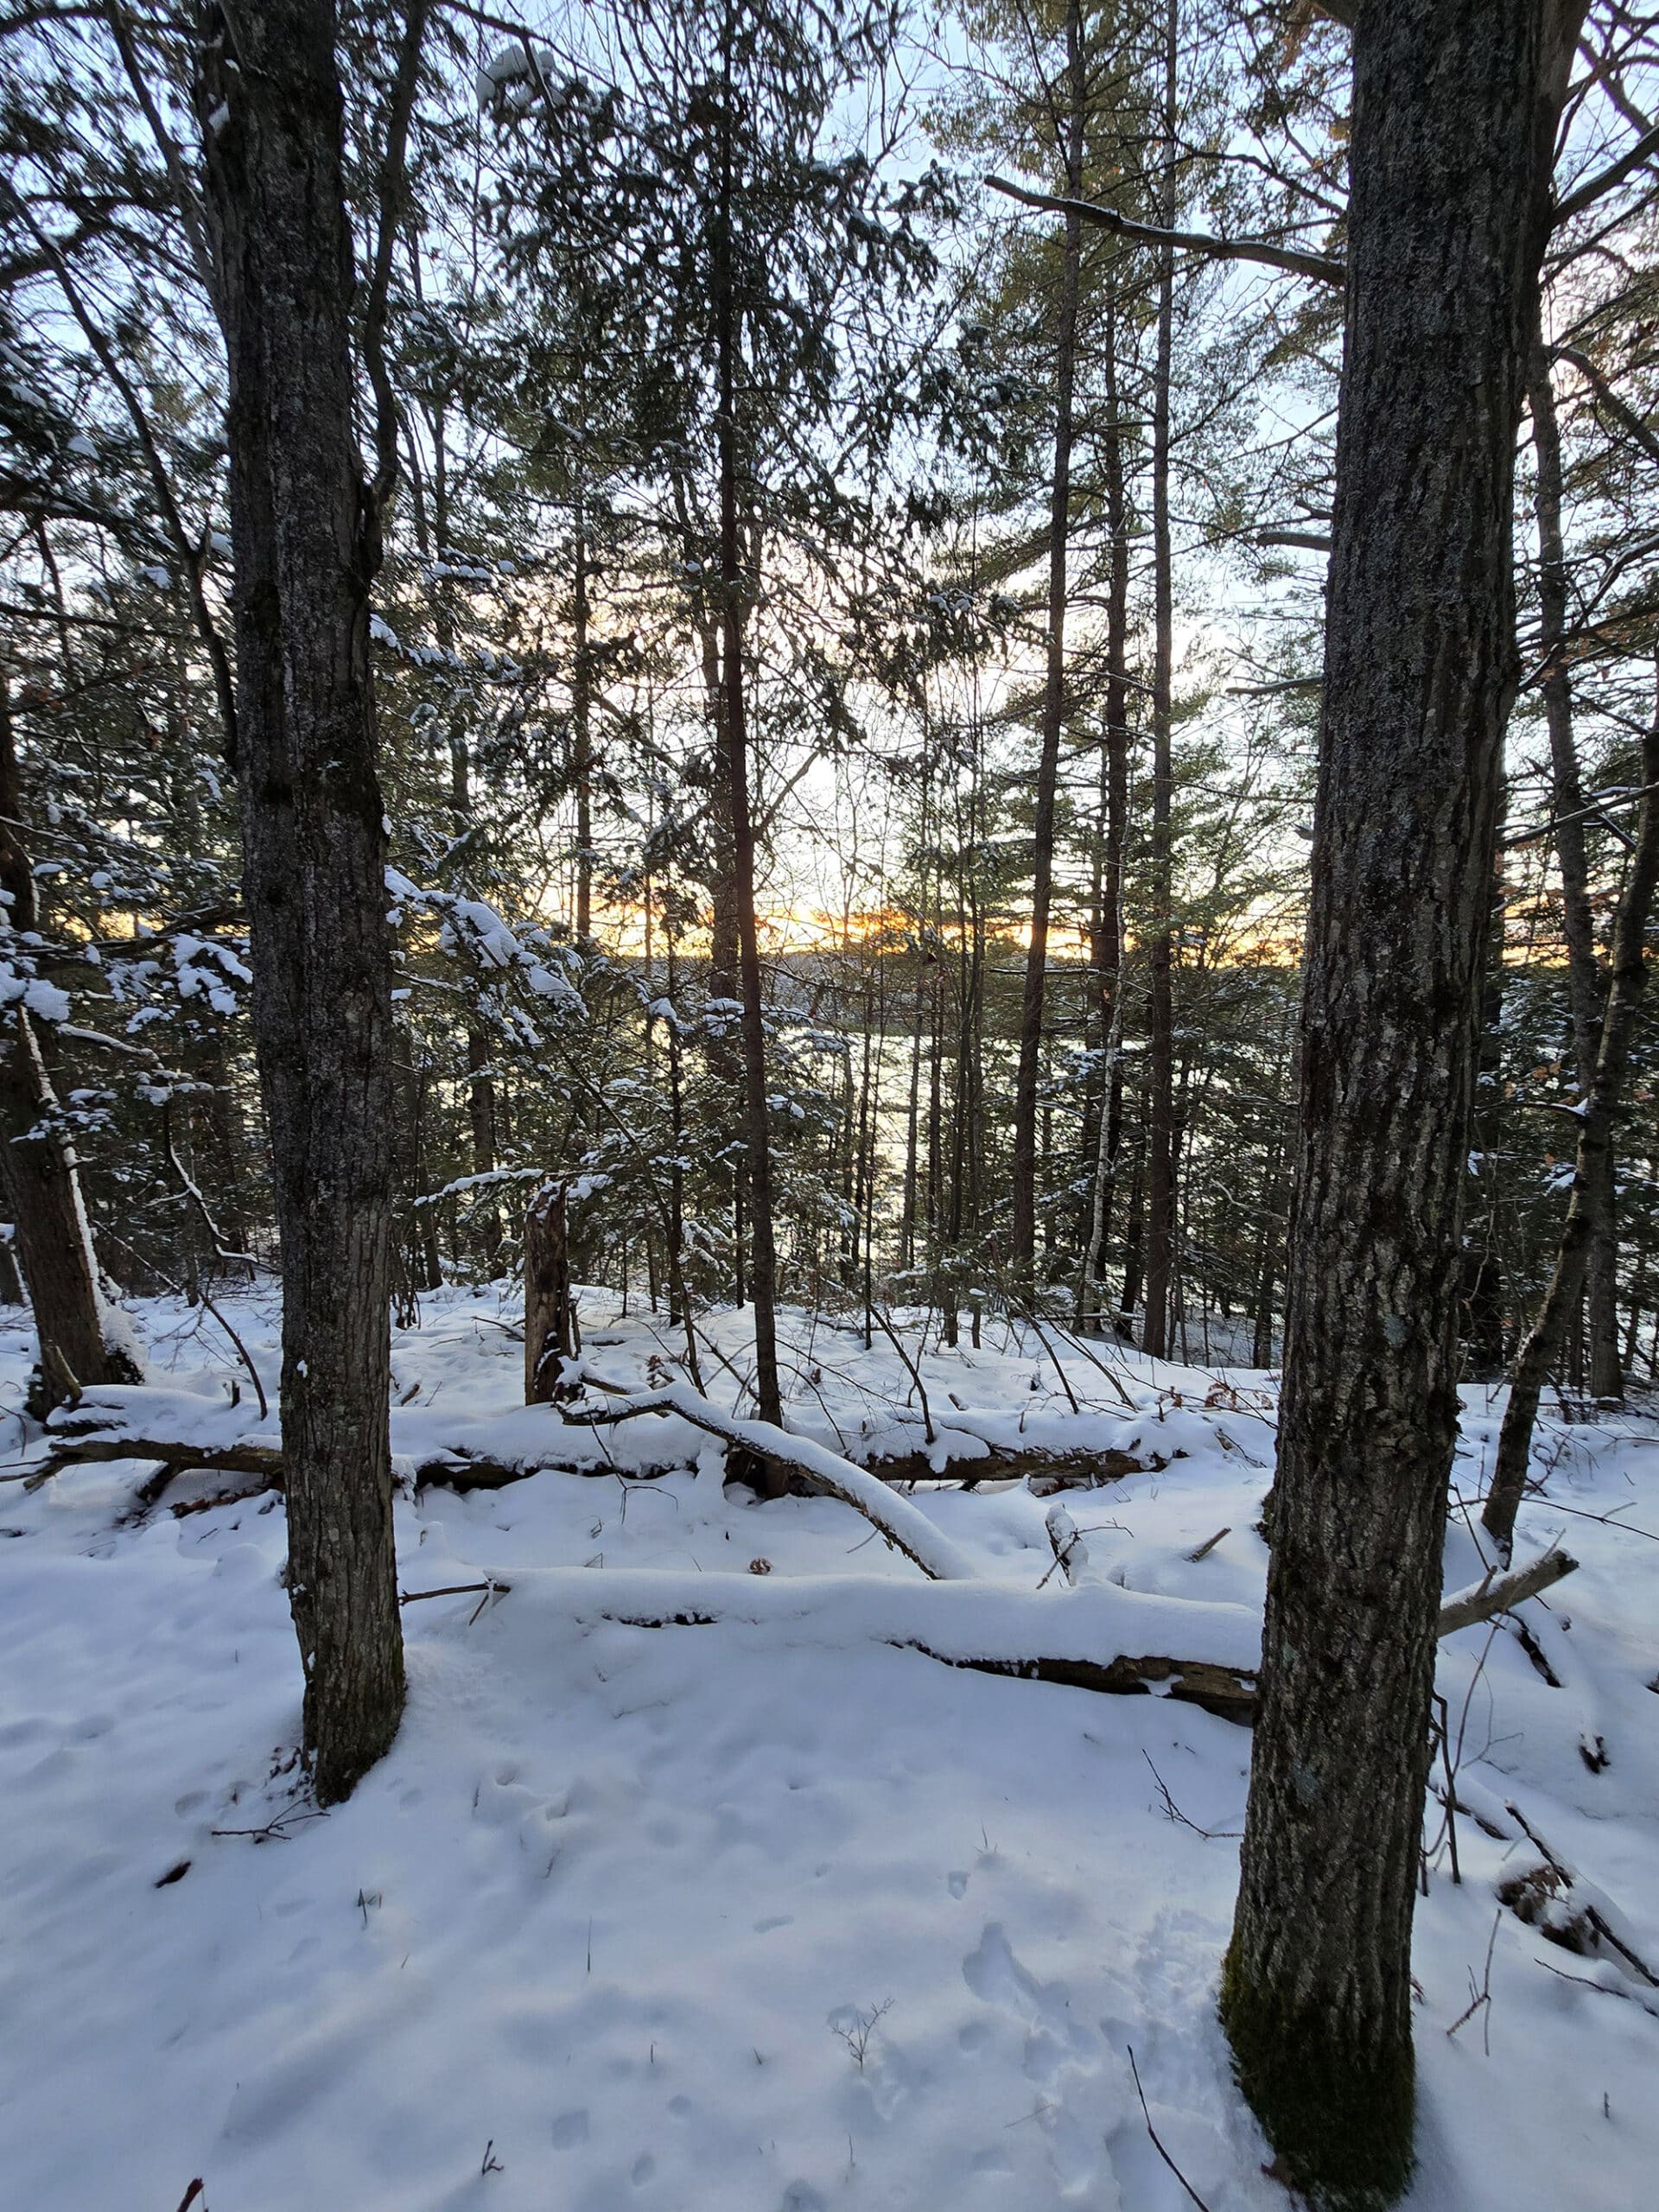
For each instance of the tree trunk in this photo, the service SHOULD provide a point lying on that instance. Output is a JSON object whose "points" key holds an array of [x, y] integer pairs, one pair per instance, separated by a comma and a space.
{"points": [[1160, 1042], [1585, 991], [1022, 1236], [1591, 1182], [305, 536], [1110, 960], [582, 729], [52, 1240], [550, 1307], [1454, 111], [757, 1146]]}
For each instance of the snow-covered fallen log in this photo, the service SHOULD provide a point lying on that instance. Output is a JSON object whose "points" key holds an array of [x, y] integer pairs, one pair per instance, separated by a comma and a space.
{"points": [[171, 1430], [1099, 1639], [904, 1527], [175, 1429], [1193, 1650]]}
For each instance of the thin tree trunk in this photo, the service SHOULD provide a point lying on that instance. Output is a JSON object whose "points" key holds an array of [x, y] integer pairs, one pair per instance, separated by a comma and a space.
{"points": [[1585, 1217], [763, 1258], [480, 1087], [1454, 111], [581, 728], [1161, 1055], [1110, 960], [1022, 1236], [79, 1337], [550, 1307], [305, 538], [1585, 991]]}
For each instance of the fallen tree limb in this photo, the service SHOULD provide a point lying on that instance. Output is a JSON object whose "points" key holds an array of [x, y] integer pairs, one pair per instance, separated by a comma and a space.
{"points": [[905, 1528], [1048, 1470], [988, 1628], [1075, 1637], [264, 1460], [462, 1471], [1488, 1599], [1566, 1909]]}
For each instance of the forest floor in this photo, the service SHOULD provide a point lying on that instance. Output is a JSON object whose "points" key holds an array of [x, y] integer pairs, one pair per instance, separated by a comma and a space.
{"points": [[764, 1915]]}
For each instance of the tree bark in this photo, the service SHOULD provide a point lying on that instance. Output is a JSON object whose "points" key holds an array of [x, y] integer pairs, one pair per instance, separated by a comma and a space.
{"points": [[1587, 1211], [1022, 1233], [306, 541], [1455, 106], [550, 1309]]}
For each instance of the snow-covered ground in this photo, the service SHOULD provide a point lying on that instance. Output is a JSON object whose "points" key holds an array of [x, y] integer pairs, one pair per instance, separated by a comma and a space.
{"points": [[762, 1916]]}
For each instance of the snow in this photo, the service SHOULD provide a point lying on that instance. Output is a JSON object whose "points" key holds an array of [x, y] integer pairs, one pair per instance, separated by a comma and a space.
{"points": [[764, 1915], [46, 1000]]}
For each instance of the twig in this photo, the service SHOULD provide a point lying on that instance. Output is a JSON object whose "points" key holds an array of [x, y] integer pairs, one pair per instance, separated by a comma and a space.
{"points": [[1208, 1546], [1172, 1811], [452, 1590], [1450, 1787], [1607, 1988], [914, 1371], [1482, 1997], [276, 1830], [1152, 2131], [1065, 1383]]}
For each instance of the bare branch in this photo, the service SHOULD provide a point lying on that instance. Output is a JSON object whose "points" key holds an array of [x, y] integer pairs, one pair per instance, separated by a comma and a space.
{"points": [[1323, 268]]}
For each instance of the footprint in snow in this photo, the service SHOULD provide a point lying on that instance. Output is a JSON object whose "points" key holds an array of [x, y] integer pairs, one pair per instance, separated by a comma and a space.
{"points": [[1055, 2044]]}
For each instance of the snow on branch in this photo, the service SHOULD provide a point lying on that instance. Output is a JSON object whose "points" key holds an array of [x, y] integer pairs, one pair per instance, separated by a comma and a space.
{"points": [[906, 1529], [1100, 1638]]}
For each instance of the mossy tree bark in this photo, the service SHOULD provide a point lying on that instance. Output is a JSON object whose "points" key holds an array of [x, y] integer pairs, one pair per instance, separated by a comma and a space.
{"points": [[306, 541], [1455, 107]]}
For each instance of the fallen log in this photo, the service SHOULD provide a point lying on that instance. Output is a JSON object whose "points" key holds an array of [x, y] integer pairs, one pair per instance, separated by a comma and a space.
{"points": [[905, 1528], [167, 1457], [987, 1628], [1046, 1471]]}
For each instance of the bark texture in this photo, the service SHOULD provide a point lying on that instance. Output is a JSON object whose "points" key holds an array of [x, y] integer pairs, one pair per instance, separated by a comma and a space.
{"points": [[550, 1309], [306, 544], [1454, 115]]}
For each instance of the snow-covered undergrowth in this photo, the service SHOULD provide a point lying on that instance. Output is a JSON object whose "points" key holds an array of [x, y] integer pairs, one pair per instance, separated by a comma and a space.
{"points": [[768, 1914]]}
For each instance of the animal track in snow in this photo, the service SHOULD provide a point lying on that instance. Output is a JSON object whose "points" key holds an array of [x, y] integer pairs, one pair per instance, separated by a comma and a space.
{"points": [[1055, 2044]]}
